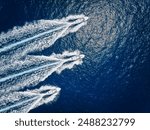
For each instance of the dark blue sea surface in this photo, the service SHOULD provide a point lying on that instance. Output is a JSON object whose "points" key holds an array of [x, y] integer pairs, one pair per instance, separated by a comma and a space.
{"points": [[115, 74]]}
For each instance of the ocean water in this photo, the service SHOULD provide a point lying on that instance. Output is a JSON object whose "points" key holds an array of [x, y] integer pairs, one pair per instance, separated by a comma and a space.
{"points": [[115, 73]]}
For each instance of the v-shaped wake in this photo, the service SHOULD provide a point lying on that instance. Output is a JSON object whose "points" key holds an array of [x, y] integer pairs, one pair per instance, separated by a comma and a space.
{"points": [[19, 70]]}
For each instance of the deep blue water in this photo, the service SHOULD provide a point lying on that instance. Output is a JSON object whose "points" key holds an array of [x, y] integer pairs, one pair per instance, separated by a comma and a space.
{"points": [[115, 74]]}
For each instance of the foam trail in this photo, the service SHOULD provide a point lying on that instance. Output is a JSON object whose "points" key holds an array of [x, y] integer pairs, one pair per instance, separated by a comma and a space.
{"points": [[30, 98], [63, 27], [5, 48], [37, 71], [19, 70], [26, 71], [59, 61]]}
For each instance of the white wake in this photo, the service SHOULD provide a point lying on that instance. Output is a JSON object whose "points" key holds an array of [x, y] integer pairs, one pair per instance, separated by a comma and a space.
{"points": [[19, 70]]}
